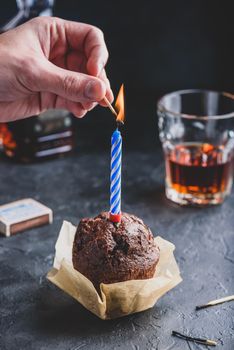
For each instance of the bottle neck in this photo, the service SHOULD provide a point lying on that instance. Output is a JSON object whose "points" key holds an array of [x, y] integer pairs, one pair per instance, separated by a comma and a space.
{"points": [[28, 9]]}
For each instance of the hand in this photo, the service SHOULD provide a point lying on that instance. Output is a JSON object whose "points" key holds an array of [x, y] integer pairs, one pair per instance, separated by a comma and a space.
{"points": [[52, 63]]}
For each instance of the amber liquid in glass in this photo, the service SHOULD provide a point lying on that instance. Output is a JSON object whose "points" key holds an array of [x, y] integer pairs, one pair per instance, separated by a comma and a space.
{"points": [[199, 169]]}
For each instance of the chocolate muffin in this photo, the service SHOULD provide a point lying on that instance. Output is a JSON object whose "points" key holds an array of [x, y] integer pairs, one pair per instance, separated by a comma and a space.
{"points": [[106, 253]]}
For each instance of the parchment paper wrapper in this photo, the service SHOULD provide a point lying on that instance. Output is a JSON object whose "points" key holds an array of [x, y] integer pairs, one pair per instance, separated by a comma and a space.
{"points": [[116, 299]]}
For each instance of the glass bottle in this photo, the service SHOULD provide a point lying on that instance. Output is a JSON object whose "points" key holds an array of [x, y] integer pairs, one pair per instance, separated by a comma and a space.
{"points": [[48, 134]]}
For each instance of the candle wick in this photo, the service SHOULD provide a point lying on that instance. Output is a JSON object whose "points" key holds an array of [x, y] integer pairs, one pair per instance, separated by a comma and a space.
{"points": [[119, 124]]}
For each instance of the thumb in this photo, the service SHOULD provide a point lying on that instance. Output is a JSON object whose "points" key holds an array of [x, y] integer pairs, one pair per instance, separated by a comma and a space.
{"points": [[73, 86]]}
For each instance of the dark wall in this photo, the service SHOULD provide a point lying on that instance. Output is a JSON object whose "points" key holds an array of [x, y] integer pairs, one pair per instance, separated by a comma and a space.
{"points": [[161, 46], [156, 47]]}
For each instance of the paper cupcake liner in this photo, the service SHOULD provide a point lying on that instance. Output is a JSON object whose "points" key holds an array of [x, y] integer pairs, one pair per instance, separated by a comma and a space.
{"points": [[116, 299]]}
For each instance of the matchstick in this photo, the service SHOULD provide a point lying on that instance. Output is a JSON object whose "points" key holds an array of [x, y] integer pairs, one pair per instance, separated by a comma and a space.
{"points": [[203, 341], [215, 302], [110, 106]]}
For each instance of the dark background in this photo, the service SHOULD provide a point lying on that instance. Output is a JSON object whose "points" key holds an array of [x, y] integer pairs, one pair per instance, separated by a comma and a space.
{"points": [[155, 47]]}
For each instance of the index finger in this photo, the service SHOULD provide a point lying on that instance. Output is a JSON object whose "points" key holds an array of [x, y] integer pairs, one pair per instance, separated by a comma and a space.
{"points": [[96, 51], [90, 40]]}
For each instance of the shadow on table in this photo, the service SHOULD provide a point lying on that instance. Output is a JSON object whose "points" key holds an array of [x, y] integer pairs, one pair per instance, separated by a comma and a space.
{"points": [[153, 197], [57, 314]]}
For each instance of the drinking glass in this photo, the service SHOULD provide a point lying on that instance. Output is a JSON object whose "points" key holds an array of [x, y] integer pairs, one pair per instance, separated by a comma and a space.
{"points": [[196, 128]]}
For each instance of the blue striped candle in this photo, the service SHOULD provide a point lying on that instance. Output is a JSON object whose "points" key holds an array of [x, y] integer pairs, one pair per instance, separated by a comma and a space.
{"points": [[115, 187]]}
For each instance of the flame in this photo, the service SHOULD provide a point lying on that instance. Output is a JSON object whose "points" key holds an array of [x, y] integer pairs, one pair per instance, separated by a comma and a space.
{"points": [[119, 105]]}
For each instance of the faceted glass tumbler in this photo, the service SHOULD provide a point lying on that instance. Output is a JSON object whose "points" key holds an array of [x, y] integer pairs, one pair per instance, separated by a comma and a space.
{"points": [[196, 128]]}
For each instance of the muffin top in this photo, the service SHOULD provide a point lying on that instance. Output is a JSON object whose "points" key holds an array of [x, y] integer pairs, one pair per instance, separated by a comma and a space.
{"points": [[106, 253]]}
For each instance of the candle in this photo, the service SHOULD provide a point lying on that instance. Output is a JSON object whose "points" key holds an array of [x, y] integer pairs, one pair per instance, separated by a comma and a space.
{"points": [[115, 187], [116, 159]]}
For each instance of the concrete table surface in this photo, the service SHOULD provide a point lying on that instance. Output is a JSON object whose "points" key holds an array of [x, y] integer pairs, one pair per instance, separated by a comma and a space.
{"points": [[35, 315]]}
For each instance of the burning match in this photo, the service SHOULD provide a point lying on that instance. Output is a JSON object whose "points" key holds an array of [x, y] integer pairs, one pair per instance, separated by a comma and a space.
{"points": [[119, 106], [110, 106]]}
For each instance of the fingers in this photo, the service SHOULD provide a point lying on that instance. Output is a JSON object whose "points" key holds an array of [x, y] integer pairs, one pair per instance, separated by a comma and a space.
{"points": [[89, 106], [80, 37], [76, 109], [96, 51], [87, 53], [73, 86], [79, 109], [97, 54], [76, 61], [109, 93]]}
